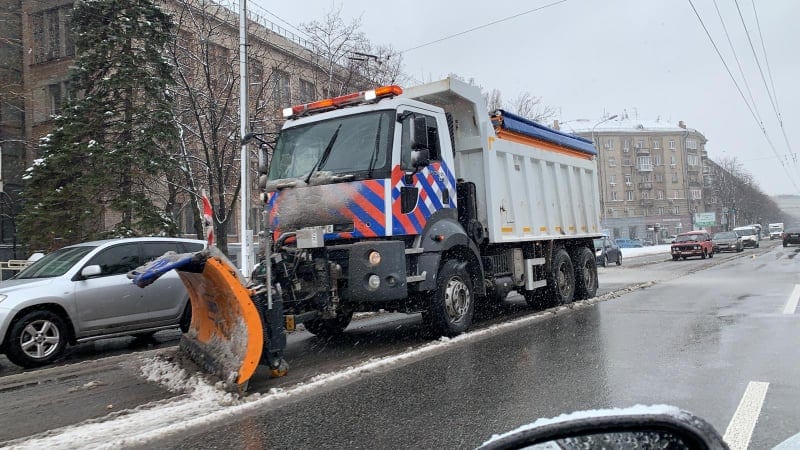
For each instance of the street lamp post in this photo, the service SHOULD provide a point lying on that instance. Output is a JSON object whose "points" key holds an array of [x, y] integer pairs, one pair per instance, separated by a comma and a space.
{"points": [[599, 171]]}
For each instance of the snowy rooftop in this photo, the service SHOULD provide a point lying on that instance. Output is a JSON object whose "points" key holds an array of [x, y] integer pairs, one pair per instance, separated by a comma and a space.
{"points": [[620, 124]]}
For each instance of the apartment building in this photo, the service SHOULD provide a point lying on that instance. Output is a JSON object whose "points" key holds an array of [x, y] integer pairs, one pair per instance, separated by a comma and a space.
{"points": [[283, 69], [650, 174]]}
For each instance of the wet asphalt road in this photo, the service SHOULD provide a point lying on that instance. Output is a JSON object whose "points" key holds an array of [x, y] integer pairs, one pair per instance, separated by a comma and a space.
{"points": [[694, 339]]}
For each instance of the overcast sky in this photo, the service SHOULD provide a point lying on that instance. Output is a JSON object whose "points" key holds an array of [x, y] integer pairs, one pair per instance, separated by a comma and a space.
{"points": [[590, 57]]}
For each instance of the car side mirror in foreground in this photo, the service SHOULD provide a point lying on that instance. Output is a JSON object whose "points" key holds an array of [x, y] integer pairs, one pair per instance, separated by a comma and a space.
{"points": [[91, 271], [658, 426]]}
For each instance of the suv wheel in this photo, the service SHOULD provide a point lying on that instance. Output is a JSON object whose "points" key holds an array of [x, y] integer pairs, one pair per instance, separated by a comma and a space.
{"points": [[36, 339]]}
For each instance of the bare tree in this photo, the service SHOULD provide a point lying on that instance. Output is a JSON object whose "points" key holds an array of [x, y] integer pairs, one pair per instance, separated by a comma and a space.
{"points": [[531, 107], [207, 96]]}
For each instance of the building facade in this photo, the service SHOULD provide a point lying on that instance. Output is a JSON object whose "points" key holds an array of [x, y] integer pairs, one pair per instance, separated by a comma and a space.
{"points": [[650, 175], [283, 69]]}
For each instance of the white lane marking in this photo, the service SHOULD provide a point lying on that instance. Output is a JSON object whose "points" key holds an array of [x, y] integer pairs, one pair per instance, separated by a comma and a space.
{"points": [[791, 305], [741, 427]]}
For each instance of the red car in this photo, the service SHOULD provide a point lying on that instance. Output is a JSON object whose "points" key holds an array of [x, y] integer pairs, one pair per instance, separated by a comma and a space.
{"points": [[692, 243]]}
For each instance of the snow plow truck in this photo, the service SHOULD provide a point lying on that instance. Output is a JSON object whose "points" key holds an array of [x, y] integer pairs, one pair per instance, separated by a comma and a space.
{"points": [[411, 201]]}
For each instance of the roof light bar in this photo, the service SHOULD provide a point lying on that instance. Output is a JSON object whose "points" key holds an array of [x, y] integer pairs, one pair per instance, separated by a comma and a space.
{"points": [[342, 100]]}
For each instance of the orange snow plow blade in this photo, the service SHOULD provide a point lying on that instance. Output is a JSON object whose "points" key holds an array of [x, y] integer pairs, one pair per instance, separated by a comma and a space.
{"points": [[226, 336]]}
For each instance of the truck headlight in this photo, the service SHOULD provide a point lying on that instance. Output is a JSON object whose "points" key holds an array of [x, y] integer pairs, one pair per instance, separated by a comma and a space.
{"points": [[374, 258], [373, 282]]}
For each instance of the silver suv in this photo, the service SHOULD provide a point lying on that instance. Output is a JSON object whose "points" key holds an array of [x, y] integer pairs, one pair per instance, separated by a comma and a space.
{"points": [[81, 293]]}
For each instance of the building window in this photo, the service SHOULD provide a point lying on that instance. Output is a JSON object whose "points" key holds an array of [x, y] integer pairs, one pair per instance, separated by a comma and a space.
{"points": [[675, 177], [612, 162], [281, 93], [626, 162], [693, 160], [656, 160], [52, 38], [643, 162], [676, 210], [54, 98], [691, 144], [660, 210], [612, 180], [640, 144], [659, 178], [656, 144], [672, 144], [676, 194], [672, 160], [614, 196], [629, 195], [660, 195], [628, 179], [645, 178], [645, 195], [696, 194], [308, 91], [609, 144], [626, 145]]}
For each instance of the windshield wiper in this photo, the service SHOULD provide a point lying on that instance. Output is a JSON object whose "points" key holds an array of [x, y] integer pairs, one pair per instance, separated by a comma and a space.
{"points": [[374, 156], [325, 153]]}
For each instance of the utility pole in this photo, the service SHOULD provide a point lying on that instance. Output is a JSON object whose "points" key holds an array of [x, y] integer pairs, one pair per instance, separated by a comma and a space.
{"points": [[245, 238]]}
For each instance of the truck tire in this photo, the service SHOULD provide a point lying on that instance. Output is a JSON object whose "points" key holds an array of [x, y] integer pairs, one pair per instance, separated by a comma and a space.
{"points": [[585, 273], [561, 280], [326, 328], [36, 339], [453, 303]]}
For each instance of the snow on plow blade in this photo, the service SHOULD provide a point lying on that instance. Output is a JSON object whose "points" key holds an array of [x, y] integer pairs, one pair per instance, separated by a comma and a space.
{"points": [[226, 337]]}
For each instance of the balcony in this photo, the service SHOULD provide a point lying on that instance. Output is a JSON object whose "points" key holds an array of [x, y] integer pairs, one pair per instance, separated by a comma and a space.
{"points": [[693, 169], [645, 167], [642, 152], [645, 185], [646, 202]]}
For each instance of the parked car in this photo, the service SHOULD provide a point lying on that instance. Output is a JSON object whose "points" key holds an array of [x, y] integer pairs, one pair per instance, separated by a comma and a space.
{"points": [[791, 235], [692, 243], [749, 236], [606, 250], [81, 293], [727, 241], [670, 239]]}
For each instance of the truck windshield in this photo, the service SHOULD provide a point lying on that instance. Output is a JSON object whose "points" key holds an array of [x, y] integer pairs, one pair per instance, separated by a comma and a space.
{"points": [[359, 145]]}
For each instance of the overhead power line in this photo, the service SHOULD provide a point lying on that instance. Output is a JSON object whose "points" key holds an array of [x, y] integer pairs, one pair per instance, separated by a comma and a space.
{"points": [[483, 26], [771, 94], [739, 89]]}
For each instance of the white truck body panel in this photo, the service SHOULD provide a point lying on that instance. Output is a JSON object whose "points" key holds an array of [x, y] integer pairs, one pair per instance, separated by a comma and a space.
{"points": [[525, 193]]}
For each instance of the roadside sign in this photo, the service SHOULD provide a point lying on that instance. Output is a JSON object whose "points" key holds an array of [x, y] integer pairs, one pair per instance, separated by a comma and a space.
{"points": [[706, 219]]}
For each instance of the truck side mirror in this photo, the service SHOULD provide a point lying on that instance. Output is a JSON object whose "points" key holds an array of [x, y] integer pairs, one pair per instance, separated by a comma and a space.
{"points": [[263, 160], [420, 158], [419, 134]]}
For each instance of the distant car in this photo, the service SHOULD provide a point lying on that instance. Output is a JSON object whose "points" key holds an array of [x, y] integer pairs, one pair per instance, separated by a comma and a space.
{"points": [[749, 236], [81, 293], [791, 235], [727, 241], [629, 243], [606, 250], [692, 243], [670, 239]]}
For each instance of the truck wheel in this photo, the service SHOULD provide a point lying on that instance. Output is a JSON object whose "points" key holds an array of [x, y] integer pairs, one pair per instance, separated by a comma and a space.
{"points": [[561, 282], [36, 339], [585, 273], [453, 302], [329, 327]]}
